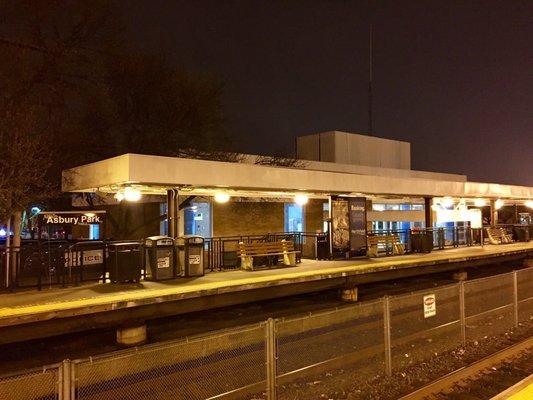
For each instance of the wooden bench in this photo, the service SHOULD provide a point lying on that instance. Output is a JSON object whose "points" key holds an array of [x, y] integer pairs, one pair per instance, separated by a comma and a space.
{"points": [[270, 250], [393, 240], [498, 236]]}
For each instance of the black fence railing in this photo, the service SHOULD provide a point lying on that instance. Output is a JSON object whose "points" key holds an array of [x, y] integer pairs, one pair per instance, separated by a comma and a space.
{"points": [[51, 263]]}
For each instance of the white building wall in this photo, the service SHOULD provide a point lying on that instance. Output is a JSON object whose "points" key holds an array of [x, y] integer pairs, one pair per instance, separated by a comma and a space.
{"points": [[355, 149]]}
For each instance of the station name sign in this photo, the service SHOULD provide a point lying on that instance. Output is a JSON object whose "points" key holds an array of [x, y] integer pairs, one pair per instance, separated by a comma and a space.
{"points": [[71, 218]]}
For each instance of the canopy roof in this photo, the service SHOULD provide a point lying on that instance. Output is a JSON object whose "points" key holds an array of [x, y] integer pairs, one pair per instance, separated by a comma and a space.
{"points": [[156, 174]]}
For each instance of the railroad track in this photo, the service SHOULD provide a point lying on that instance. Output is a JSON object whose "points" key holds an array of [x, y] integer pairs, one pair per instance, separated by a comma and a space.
{"points": [[453, 384]]}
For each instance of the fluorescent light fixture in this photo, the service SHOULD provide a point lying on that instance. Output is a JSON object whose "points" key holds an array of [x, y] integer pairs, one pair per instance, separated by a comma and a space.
{"points": [[529, 203], [132, 194], [447, 202], [498, 204], [221, 197], [301, 199], [378, 207], [480, 202]]}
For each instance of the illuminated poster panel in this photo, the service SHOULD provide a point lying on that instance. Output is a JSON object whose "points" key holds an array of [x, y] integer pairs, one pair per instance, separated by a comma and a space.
{"points": [[348, 225], [357, 207]]}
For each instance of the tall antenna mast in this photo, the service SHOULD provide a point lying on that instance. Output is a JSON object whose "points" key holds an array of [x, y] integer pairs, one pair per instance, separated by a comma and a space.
{"points": [[370, 68]]}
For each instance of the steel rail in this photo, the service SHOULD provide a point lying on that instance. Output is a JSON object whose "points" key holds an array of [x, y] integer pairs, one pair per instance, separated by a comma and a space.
{"points": [[461, 374]]}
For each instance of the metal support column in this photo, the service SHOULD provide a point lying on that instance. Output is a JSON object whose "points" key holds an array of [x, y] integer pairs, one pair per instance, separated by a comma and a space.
{"points": [[66, 391], [462, 312], [387, 335], [271, 358], [493, 213], [428, 216], [515, 297], [172, 212]]}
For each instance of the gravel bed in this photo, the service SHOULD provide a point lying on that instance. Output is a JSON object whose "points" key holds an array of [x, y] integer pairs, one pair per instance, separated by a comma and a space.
{"points": [[358, 383]]}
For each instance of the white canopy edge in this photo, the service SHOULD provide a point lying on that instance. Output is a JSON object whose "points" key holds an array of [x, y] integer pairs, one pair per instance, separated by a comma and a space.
{"points": [[172, 172]]}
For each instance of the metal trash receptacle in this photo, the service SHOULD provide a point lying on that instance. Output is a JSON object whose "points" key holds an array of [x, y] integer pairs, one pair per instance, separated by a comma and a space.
{"points": [[159, 261], [124, 262], [190, 255], [322, 246]]}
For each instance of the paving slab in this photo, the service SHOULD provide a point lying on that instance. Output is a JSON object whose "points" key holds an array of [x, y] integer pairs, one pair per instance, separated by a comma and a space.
{"points": [[31, 306]]}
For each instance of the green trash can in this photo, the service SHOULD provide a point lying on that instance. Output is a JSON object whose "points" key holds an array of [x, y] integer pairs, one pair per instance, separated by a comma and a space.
{"points": [[159, 258]]}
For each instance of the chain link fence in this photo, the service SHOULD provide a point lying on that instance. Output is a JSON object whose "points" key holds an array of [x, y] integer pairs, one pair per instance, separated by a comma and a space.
{"points": [[489, 306], [423, 324], [201, 368], [39, 384], [278, 358], [348, 337]]}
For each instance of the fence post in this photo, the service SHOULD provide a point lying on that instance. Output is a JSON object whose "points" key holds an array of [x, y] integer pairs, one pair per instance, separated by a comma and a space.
{"points": [[65, 381], [462, 312], [271, 359], [515, 297], [387, 336]]}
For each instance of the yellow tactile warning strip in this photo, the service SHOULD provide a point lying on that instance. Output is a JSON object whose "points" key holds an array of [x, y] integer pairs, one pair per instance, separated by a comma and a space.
{"points": [[217, 283], [523, 390]]}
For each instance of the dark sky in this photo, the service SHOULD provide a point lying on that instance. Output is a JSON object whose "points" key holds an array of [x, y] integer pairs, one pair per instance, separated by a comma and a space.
{"points": [[455, 78]]}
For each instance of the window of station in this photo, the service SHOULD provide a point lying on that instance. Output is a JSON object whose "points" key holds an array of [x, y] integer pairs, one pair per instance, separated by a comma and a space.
{"points": [[197, 219], [163, 225], [294, 218]]}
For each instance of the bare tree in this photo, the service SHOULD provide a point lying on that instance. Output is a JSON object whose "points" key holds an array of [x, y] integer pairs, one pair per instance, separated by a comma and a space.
{"points": [[280, 161]]}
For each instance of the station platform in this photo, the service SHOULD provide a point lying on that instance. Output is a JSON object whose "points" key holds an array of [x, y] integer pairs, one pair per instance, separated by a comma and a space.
{"points": [[34, 314]]}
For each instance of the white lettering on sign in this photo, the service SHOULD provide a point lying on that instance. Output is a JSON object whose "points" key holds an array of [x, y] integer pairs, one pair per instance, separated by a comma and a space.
{"points": [[90, 257], [83, 219], [430, 306], [194, 259], [163, 262]]}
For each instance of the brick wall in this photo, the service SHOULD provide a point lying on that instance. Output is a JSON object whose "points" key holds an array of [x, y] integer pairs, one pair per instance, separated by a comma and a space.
{"points": [[247, 218]]}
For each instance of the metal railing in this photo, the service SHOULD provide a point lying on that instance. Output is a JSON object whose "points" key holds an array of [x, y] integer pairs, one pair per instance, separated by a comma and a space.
{"points": [[47, 263], [260, 360]]}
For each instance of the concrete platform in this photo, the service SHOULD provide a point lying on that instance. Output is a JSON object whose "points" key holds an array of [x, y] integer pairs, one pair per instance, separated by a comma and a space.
{"points": [[32, 314]]}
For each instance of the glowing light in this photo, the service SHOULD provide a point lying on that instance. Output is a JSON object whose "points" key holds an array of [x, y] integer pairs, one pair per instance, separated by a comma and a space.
{"points": [[90, 214], [480, 202], [378, 207], [221, 197], [529, 203], [301, 199], [35, 210], [435, 207], [119, 196], [447, 202], [498, 204], [3, 232], [132, 194]]}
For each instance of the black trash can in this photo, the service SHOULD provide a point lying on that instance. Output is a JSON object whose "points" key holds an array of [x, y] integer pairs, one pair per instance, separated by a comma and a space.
{"points": [[159, 260], [322, 247], [124, 262], [421, 242], [190, 255], [521, 233]]}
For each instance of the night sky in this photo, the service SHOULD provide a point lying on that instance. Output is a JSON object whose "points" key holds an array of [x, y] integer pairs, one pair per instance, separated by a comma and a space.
{"points": [[455, 78]]}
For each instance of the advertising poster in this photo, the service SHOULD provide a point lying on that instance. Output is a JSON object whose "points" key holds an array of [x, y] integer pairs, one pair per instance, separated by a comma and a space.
{"points": [[357, 220], [340, 226]]}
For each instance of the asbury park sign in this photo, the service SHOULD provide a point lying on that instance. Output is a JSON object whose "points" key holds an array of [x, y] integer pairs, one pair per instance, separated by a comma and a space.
{"points": [[71, 218]]}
